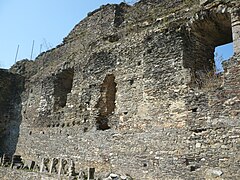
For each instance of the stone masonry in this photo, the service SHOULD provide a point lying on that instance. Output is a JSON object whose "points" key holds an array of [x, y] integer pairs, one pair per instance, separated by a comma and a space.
{"points": [[130, 93]]}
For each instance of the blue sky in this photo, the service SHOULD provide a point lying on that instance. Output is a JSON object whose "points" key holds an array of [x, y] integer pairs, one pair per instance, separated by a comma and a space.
{"points": [[222, 53], [46, 22]]}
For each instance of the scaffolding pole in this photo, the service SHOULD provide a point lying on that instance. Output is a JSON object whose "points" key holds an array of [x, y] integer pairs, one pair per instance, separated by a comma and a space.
{"points": [[40, 51], [32, 50], [16, 53]]}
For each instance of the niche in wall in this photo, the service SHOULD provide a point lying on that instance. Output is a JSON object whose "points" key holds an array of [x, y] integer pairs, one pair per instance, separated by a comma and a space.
{"points": [[62, 86], [106, 102]]}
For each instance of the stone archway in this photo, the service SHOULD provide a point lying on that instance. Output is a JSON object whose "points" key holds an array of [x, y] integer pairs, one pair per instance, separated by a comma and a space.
{"points": [[205, 31]]}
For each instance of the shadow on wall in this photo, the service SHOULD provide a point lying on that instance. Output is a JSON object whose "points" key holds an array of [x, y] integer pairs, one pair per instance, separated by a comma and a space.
{"points": [[11, 87], [106, 103]]}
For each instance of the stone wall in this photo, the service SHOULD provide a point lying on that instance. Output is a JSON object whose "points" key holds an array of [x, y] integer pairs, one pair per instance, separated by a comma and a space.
{"points": [[132, 90], [11, 87]]}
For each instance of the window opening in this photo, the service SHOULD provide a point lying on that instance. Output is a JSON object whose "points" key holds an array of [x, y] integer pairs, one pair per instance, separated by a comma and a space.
{"points": [[222, 53]]}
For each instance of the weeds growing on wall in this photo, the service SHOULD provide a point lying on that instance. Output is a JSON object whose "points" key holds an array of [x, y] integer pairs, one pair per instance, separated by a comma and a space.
{"points": [[209, 80], [218, 63]]}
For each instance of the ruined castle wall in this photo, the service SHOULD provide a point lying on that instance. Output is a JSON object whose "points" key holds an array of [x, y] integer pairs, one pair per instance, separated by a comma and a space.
{"points": [[214, 124], [140, 71], [11, 87]]}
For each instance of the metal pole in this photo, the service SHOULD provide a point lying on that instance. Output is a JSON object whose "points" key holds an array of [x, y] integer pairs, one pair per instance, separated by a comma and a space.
{"points": [[32, 50], [40, 49], [16, 53]]}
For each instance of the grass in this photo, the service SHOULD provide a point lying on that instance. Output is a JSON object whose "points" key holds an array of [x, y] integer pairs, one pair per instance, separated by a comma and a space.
{"points": [[209, 80]]}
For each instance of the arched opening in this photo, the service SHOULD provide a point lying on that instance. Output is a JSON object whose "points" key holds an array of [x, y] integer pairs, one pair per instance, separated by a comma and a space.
{"points": [[106, 103], [208, 31]]}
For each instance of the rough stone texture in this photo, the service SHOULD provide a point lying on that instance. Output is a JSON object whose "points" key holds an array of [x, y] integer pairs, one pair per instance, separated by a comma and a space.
{"points": [[131, 90], [11, 87]]}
